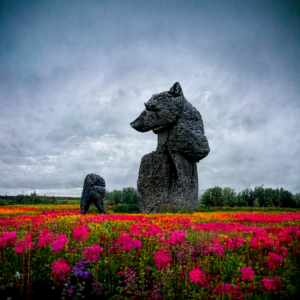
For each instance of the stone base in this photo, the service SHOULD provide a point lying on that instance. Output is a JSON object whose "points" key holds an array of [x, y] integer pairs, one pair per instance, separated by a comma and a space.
{"points": [[167, 180]]}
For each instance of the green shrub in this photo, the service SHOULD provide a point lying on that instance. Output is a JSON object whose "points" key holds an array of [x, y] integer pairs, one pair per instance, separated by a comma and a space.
{"points": [[126, 208]]}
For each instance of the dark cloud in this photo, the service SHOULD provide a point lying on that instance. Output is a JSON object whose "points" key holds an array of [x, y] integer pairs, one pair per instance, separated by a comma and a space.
{"points": [[73, 75]]}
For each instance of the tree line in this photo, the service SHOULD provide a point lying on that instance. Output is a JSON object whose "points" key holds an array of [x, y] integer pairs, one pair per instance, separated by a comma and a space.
{"points": [[257, 197], [33, 198], [126, 196], [213, 197]]}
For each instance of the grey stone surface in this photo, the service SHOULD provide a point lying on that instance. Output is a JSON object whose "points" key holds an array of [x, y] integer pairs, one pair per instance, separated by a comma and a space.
{"points": [[93, 192], [168, 176]]}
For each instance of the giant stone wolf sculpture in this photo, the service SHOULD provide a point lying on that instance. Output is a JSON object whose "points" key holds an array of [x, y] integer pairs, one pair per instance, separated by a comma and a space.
{"points": [[93, 192], [168, 176]]}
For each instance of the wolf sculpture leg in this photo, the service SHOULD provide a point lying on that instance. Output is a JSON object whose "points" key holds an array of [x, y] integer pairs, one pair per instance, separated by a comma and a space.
{"points": [[98, 194]]}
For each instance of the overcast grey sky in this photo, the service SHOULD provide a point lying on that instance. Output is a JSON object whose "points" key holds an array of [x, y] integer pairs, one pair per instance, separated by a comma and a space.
{"points": [[74, 74]]}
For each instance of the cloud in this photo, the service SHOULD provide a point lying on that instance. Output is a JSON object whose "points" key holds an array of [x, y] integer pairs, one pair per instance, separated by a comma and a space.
{"points": [[74, 76]]}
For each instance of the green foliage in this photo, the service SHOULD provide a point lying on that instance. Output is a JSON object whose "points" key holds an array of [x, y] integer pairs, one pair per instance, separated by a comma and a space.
{"points": [[297, 200], [126, 196], [286, 199], [259, 197], [33, 198], [126, 208], [256, 203], [246, 209], [229, 197], [213, 197]]}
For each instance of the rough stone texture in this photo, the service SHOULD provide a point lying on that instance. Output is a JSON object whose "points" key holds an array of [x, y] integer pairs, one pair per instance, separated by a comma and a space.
{"points": [[168, 176], [93, 191]]}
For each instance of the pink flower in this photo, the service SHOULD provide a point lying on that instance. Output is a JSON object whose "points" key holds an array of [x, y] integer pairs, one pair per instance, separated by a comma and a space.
{"points": [[154, 230], [8, 238], [274, 261], [223, 288], [61, 269], [113, 249], [60, 242], [21, 245], [128, 242], [45, 238], [123, 239], [92, 252], [80, 233], [198, 276], [272, 284], [238, 241], [217, 248], [247, 274], [282, 251], [137, 244], [262, 242], [228, 288], [162, 259], [177, 237]]}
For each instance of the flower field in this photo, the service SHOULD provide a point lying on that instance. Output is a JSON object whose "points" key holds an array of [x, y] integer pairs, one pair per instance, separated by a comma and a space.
{"points": [[53, 250]]}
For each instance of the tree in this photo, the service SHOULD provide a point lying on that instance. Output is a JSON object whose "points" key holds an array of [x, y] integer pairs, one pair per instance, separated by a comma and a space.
{"points": [[245, 197], [117, 196], [269, 196], [297, 200], [229, 197], [276, 197], [34, 194], [129, 195], [213, 197], [240, 200], [286, 198], [259, 195]]}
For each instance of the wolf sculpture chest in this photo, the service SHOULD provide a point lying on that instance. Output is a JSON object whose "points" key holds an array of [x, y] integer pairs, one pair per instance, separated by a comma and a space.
{"points": [[168, 176]]}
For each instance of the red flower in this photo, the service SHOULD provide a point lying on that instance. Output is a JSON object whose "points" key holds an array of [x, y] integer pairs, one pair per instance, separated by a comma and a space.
{"points": [[8, 238], [80, 233], [59, 243], [274, 261], [177, 237], [198, 276], [92, 252], [272, 284], [21, 245], [45, 238], [247, 274], [61, 269], [162, 259]]}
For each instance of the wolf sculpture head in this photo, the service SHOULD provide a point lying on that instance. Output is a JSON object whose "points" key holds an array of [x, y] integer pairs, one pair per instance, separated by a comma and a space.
{"points": [[171, 112]]}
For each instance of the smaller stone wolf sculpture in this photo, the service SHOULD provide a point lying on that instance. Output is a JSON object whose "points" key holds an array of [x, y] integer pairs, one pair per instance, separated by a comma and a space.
{"points": [[93, 191]]}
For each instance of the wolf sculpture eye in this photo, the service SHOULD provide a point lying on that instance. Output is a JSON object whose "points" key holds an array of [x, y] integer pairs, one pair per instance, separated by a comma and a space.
{"points": [[151, 107]]}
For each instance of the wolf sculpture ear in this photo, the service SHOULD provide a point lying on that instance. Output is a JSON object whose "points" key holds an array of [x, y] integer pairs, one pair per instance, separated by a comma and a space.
{"points": [[176, 90]]}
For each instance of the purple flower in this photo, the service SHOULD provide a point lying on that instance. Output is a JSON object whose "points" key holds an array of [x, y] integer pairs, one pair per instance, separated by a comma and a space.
{"points": [[81, 269]]}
